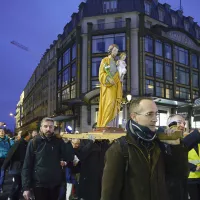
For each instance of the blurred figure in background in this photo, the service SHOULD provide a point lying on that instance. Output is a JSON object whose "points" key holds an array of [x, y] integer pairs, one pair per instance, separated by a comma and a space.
{"points": [[34, 133], [5, 145], [72, 169], [70, 183], [18, 137], [91, 154], [15, 158]]}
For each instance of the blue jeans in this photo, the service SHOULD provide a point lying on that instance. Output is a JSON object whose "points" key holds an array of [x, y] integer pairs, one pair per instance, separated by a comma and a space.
{"points": [[2, 173]]}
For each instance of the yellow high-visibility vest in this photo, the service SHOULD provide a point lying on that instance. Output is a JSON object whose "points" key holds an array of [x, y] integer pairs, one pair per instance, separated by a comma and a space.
{"points": [[194, 158]]}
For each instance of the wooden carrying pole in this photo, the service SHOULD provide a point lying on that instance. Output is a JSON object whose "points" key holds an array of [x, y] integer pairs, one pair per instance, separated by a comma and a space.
{"points": [[112, 136]]}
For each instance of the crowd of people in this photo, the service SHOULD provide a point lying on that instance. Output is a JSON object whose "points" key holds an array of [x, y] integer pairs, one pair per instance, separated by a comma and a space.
{"points": [[138, 166]]}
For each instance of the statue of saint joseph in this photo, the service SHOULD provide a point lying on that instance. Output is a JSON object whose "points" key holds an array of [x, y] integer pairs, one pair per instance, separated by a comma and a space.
{"points": [[110, 88]]}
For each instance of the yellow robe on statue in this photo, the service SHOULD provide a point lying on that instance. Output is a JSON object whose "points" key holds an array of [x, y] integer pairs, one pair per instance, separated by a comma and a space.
{"points": [[110, 95]]}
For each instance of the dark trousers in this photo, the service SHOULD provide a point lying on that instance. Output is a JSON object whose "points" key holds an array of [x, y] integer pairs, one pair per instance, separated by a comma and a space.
{"points": [[16, 188], [194, 191], [46, 193], [2, 173]]}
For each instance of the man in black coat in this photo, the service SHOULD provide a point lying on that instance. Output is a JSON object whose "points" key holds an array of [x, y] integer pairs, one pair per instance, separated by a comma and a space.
{"points": [[91, 154], [15, 158], [45, 156], [176, 159]]}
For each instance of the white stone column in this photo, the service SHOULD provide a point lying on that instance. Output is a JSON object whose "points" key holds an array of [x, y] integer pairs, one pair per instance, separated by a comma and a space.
{"points": [[84, 64], [84, 127]]}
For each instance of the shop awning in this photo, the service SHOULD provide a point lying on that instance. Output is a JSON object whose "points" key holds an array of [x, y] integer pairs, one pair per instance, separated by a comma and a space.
{"points": [[196, 118], [72, 102], [90, 95], [184, 109]]}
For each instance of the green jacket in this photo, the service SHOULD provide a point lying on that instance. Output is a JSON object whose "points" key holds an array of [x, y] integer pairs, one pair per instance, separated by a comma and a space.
{"points": [[144, 179]]}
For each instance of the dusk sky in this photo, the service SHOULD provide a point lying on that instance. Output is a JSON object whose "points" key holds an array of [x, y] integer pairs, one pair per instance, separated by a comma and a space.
{"points": [[35, 24]]}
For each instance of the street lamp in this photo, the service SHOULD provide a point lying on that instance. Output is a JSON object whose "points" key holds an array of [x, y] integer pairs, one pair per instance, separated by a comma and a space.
{"points": [[12, 115], [128, 97]]}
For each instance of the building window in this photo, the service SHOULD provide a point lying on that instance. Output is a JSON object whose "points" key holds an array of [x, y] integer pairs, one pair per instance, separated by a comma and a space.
{"points": [[66, 94], [174, 20], [74, 52], [118, 22], [66, 77], [182, 93], [59, 98], [197, 33], [195, 94], [182, 75], [110, 6], [159, 50], [66, 57], [194, 61], [120, 41], [195, 79], [149, 66], [159, 89], [149, 87], [101, 24], [95, 66], [95, 84], [168, 51], [59, 81], [52, 53], [168, 71], [59, 64], [186, 25], [148, 44], [73, 91], [100, 44], [159, 69], [73, 72], [181, 55], [147, 8], [161, 14], [169, 91]]}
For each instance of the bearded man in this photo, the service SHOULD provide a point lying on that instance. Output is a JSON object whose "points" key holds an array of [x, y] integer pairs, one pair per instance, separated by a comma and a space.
{"points": [[45, 156]]}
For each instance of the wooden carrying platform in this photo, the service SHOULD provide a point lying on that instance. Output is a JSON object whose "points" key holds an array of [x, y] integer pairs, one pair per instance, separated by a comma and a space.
{"points": [[114, 133]]}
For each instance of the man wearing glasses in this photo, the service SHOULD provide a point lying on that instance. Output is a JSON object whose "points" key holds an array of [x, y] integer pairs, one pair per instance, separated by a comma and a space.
{"points": [[143, 176]]}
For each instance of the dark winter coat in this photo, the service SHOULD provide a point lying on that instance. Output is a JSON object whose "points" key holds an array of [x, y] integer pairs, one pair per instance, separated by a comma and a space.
{"points": [[176, 164], [15, 157], [91, 156], [42, 162], [144, 179]]}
